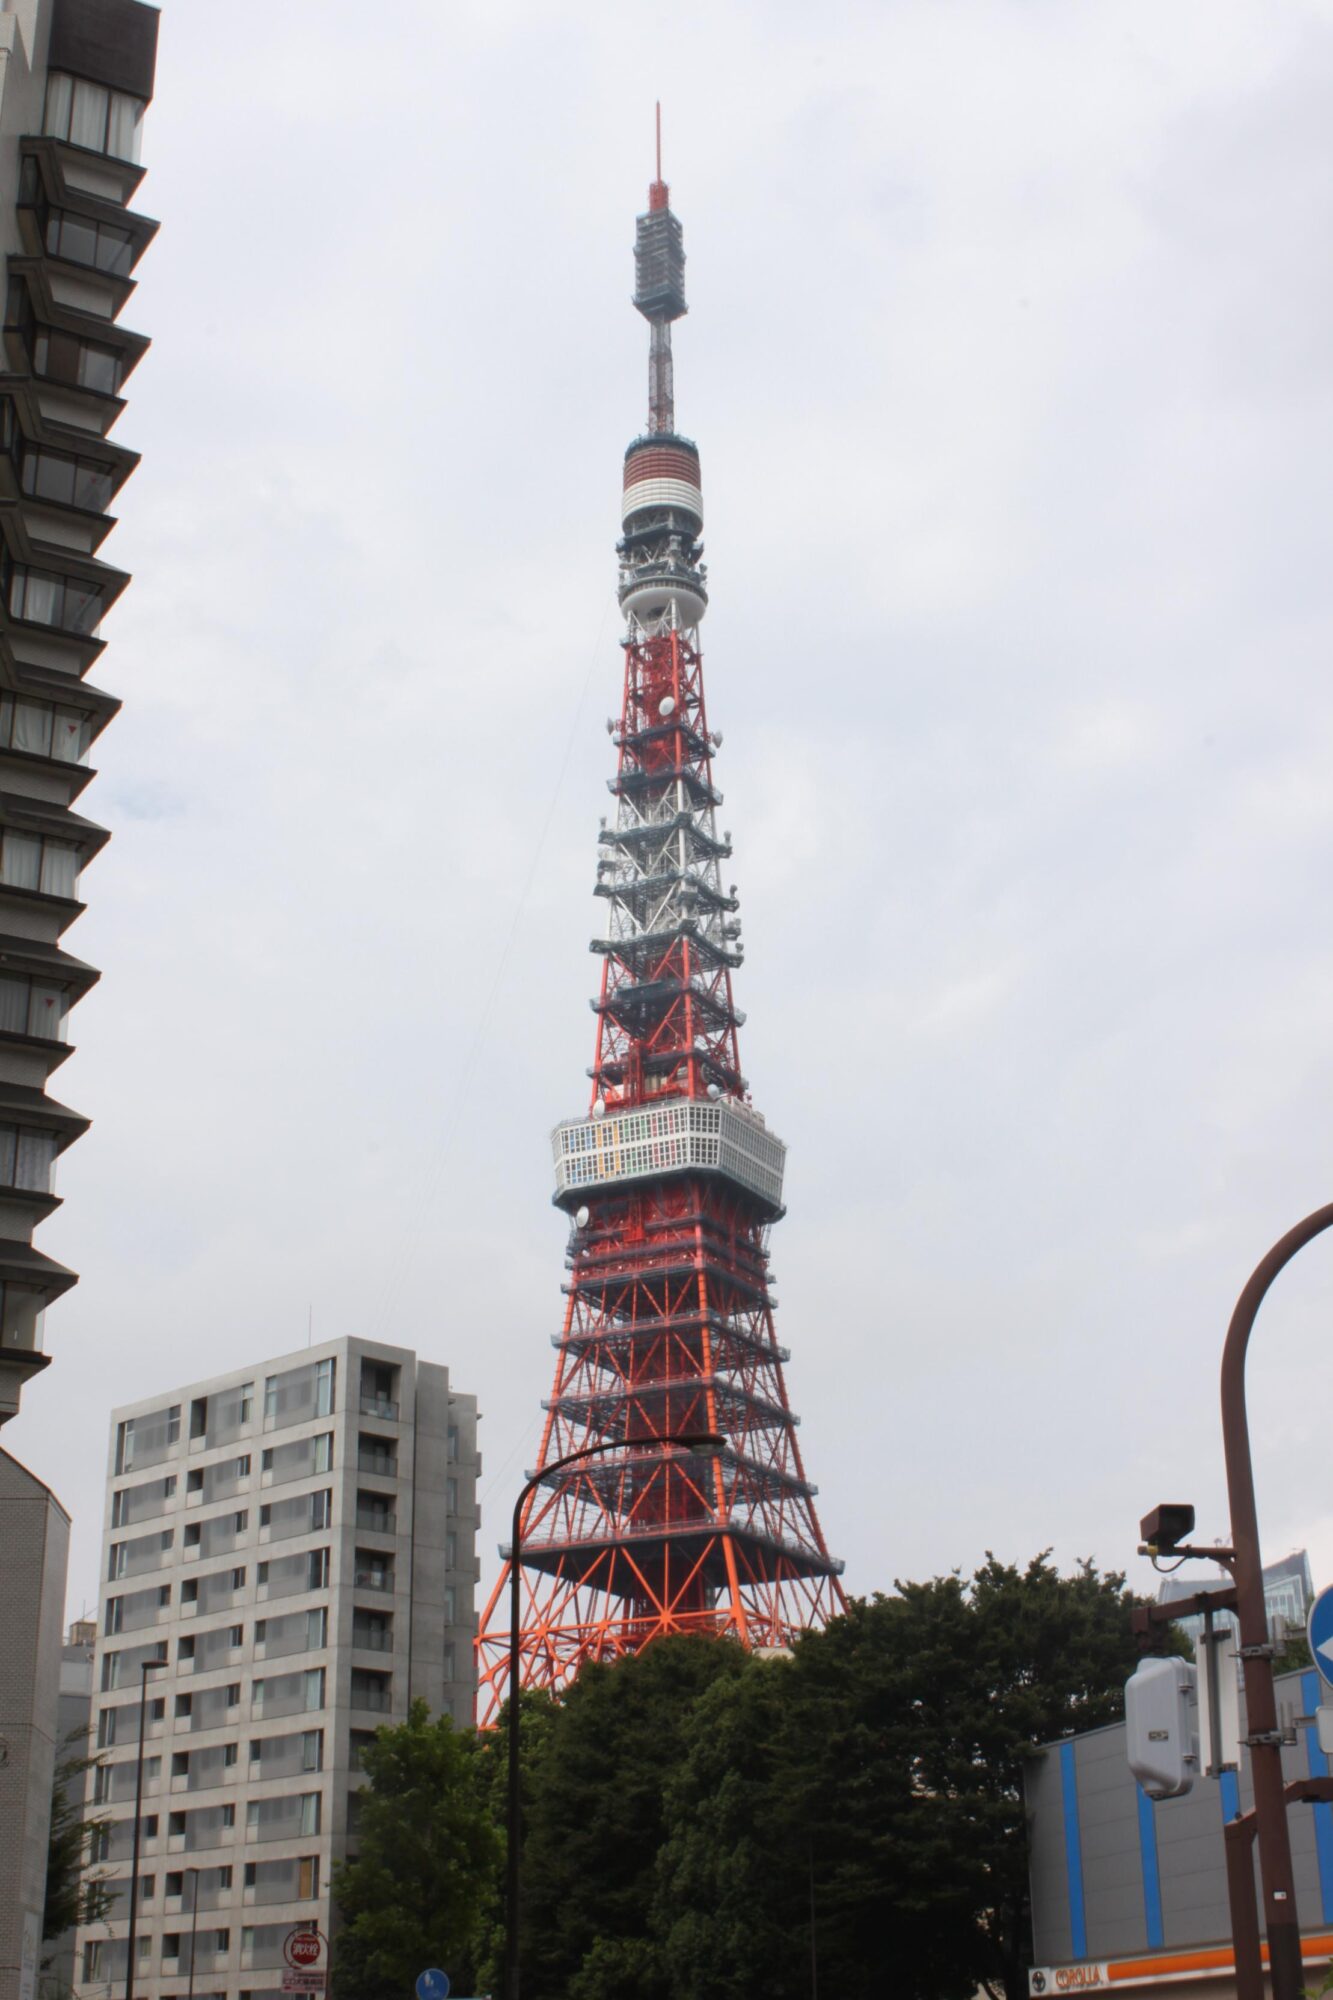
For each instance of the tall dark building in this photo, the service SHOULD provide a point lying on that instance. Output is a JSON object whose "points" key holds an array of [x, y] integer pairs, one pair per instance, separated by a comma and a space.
{"points": [[75, 79], [76, 82]]}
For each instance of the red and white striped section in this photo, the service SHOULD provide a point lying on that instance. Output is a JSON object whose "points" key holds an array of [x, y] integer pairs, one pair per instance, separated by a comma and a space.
{"points": [[660, 475]]}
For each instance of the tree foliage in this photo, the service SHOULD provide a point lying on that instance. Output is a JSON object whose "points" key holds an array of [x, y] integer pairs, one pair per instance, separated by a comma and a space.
{"points": [[703, 1824], [75, 1893], [428, 1856]]}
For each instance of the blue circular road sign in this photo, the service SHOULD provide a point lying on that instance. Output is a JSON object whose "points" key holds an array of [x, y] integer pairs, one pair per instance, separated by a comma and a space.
{"points": [[433, 1985], [1320, 1630]]}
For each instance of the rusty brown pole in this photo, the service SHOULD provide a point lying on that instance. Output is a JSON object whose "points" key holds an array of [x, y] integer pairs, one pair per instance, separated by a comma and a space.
{"points": [[1270, 1809]]}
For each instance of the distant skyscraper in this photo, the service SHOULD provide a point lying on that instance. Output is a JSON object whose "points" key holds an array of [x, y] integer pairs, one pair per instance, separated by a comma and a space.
{"points": [[295, 1544], [74, 84], [1288, 1589], [671, 1179]]}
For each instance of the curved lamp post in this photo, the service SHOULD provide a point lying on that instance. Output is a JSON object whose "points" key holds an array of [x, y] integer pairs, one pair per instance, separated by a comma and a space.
{"points": [[1263, 1736], [708, 1444]]}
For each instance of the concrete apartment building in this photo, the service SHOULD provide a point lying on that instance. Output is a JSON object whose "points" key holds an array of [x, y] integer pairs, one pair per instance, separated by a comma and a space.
{"points": [[292, 1550]]}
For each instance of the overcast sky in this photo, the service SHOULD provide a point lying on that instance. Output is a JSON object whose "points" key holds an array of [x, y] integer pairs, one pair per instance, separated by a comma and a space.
{"points": [[1010, 358]]}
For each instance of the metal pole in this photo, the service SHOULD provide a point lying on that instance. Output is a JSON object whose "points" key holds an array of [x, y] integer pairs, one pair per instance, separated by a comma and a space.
{"points": [[707, 1441], [1238, 1845], [146, 1667], [1263, 1737], [194, 1920]]}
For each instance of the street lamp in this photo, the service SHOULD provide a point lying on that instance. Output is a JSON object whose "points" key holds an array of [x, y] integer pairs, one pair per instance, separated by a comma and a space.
{"points": [[706, 1444], [1270, 1805], [194, 1920], [146, 1667], [1164, 1532]]}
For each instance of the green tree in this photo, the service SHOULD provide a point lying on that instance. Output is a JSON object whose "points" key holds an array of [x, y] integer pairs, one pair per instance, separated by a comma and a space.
{"points": [[597, 1821], [74, 1893], [862, 1802], [429, 1854]]}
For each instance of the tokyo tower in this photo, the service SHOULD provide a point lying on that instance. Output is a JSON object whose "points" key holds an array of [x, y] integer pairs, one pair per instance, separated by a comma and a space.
{"points": [[672, 1180]]}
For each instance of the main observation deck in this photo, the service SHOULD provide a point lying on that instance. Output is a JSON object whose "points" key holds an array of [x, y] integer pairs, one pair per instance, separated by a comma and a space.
{"points": [[682, 1136]]}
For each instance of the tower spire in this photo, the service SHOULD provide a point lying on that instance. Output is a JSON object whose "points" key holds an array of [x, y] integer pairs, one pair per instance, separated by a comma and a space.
{"points": [[671, 1179], [659, 292]]}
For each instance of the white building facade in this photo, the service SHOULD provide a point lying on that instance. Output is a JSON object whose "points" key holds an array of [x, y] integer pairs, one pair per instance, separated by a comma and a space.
{"points": [[291, 1549]]}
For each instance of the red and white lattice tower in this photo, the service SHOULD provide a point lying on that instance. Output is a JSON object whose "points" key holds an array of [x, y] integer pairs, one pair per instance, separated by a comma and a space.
{"points": [[672, 1179]]}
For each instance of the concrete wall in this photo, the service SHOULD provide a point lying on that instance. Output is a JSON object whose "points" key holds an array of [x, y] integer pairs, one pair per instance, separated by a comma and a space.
{"points": [[34, 1528], [1114, 1874]]}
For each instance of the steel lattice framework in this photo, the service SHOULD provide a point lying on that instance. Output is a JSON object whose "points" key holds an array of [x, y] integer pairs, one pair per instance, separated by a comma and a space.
{"points": [[673, 1180]]}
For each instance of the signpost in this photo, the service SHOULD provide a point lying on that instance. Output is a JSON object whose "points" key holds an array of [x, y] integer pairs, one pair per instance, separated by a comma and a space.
{"points": [[306, 1950], [1320, 1631]]}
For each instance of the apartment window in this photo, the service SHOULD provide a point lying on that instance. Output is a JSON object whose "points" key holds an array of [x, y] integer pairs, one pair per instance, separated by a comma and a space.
{"points": [[318, 1576], [261, 1624], [233, 1694], [323, 1460], [250, 1878], [307, 1875], [451, 1442], [32, 1006], [450, 1549], [451, 1495], [321, 1509], [324, 1388], [184, 1704], [190, 1590], [238, 1579], [317, 1628], [199, 1417], [82, 364], [246, 1404], [229, 1815], [89, 115], [265, 1518], [450, 1604], [358, 1743], [236, 1635], [26, 1156], [314, 1687], [270, 1402], [192, 1535], [194, 1479], [266, 1456], [241, 1466], [180, 1763], [229, 1753], [310, 1812], [175, 1883], [240, 1520], [185, 1648], [312, 1750], [101, 246], [42, 597]]}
